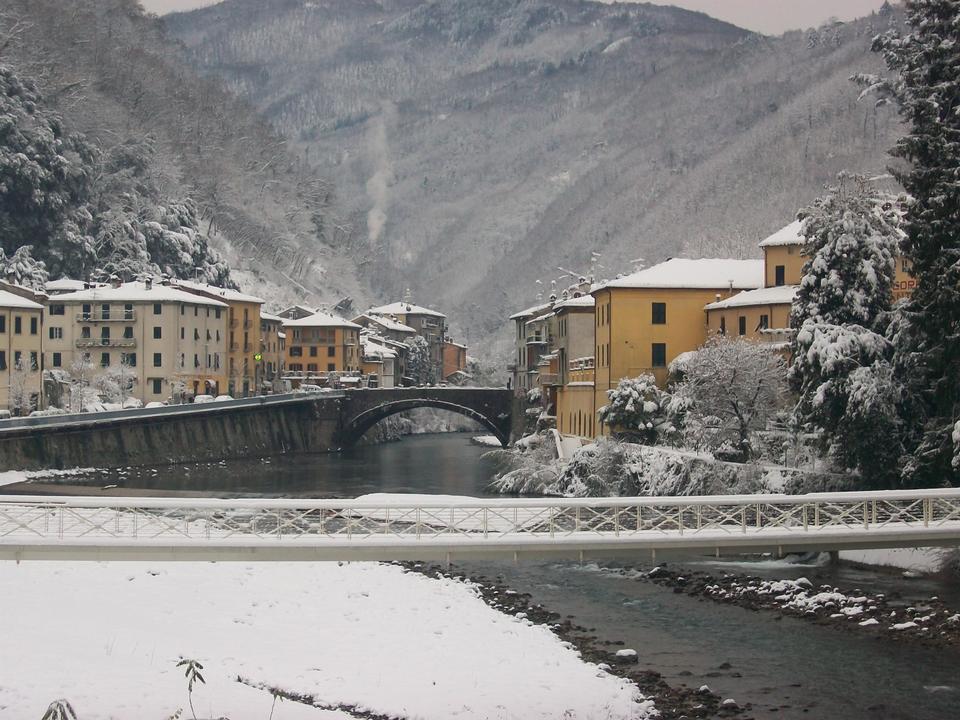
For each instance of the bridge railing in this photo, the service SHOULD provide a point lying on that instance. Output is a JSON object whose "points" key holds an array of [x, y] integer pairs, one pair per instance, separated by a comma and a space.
{"points": [[38, 520]]}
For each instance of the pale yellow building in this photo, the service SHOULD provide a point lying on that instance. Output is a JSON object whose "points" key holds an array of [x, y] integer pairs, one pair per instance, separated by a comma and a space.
{"points": [[21, 349], [643, 321], [575, 397], [320, 344], [173, 342], [243, 334]]}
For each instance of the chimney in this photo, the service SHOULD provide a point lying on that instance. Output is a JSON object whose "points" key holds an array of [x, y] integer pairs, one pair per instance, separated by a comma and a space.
{"points": [[718, 298], [148, 283], [115, 281]]}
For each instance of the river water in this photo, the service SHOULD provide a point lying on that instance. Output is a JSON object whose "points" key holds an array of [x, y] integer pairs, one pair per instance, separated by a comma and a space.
{"points": [[786, 668]]}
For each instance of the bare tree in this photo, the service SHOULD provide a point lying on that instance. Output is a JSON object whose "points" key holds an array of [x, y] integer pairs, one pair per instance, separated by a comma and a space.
{"points": [[19, 396], [735, 385], [81, 373], [116, 382]]}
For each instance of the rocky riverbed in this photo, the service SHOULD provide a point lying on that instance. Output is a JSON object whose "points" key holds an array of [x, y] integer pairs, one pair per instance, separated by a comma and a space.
{"points": [[884, 615]]}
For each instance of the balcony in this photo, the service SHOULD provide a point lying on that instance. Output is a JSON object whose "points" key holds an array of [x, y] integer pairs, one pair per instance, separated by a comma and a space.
{"points": [[106, 343], [538, 339], [97, 317], [549, 378], [234, 347]]}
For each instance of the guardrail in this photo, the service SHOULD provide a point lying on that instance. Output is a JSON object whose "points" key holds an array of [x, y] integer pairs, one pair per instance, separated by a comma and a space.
{"points": [[138, 413], [394, 528], [106, 342]]}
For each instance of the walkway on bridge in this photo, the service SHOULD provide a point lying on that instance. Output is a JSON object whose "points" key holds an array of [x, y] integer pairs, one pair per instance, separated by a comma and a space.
{"points": [[420, 528]]}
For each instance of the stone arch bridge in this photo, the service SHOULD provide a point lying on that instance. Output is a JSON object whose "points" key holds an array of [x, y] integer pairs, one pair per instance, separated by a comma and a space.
{"points": [[491, 408]]}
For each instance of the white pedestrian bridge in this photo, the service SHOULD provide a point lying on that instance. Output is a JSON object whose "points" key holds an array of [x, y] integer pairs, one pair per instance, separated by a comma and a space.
{"points": [[395, 527]]}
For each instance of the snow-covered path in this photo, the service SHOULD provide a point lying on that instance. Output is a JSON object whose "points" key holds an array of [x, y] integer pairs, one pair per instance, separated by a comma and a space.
{"points": [[107, 637]]}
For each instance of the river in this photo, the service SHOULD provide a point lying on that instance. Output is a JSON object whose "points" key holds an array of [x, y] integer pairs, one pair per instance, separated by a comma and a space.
{"points": [[786, 668]]}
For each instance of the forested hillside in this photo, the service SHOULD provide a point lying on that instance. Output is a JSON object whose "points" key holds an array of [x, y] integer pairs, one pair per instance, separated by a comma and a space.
{"points": [[117, 157], [483, 144]]}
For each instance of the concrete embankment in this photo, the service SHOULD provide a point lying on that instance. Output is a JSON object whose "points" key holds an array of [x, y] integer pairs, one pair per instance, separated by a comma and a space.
{"points": [[195, 434]]}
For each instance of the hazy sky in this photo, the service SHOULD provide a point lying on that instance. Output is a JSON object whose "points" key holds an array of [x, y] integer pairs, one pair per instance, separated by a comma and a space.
{"points": [[769, 16]]}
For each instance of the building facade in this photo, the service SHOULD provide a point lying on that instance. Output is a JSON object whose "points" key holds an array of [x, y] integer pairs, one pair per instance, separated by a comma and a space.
{"points": [[243, 334], [272, 360], [428, 324], [21, 349], [172, 343], [321, 344]]}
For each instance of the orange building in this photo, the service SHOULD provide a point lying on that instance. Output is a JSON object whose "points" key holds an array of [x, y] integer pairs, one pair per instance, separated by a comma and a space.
{"points": [[454, 358], [321, 344]]}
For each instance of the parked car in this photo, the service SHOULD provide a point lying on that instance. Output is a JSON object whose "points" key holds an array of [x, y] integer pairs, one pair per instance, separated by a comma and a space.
{"points": [[221, 398], [201, 399], [308, 388], [155, 404]]}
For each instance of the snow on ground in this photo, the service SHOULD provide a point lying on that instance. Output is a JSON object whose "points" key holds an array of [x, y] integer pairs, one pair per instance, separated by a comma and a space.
{"points": [[107, 637], [17, 476], [486, 441], [923, 560]]}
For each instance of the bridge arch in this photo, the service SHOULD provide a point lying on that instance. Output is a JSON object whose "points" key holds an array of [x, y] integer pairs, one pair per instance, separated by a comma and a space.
{"points": [[366, 417]]}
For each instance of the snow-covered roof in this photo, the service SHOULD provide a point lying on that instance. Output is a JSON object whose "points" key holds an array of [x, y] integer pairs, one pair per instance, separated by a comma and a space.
{"points": [[402, 308], [227, 294], [789, 235], [64, 285], [12, 300], [704, 273], [531, 311], [781, 295], [386, 322], [540, 318], [138, 292], [456, 344], [270, 317], [584, 301], [372, 349], [321, 319]]}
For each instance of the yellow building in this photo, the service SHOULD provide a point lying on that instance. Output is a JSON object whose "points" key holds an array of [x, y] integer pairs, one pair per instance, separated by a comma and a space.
{"points": [[243, 340], [320, 344], [645, 320], [764, 314], [173, 342], [272, 351], [21, 349]]}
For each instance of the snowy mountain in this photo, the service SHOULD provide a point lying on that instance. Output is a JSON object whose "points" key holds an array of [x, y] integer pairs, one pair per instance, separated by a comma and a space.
{"points": [[480, 144]]}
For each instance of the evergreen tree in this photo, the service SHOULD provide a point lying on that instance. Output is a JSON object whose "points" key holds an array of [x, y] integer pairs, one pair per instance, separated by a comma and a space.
{"points": [[637, 410], [927, 333]]}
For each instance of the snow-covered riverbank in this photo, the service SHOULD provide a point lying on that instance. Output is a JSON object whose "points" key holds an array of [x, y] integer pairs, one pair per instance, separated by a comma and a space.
{"points": [[107, 637]]}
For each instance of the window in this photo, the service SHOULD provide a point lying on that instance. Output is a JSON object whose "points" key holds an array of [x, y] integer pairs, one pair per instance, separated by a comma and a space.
{"points": [[296, 367], [3, 323], [17, 359], [34, 360], [183, 309], [3, 360], [331, 351], [57, 360], [313, 351], [311, 367], [105, 311], [208, 335], [86, 311], [659, 353], [157, 386], [296, 351], [218, 336], [104, 359], [331, 367], [157, 359], [742, 325], [196, 360], [196, 311], [764, 322], [129, 358], [659, 314], [56, 333], [18, 324], [58, 310], [183, 333], [157, 308], [216, 312], [196, 334], [157, 332], [128, 311], [34, 325], [104, 333], [85, 332], [128, 332], [779, 275], [723, 325]]}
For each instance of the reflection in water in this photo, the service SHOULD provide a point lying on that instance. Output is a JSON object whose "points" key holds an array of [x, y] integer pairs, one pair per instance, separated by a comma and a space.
{"points": [[785, 667]]}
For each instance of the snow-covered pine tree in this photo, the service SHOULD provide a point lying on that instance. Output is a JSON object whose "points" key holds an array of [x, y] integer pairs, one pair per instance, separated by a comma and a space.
{"points": [[852, 235], [637, 410], [927, 338], [23, 269]]}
